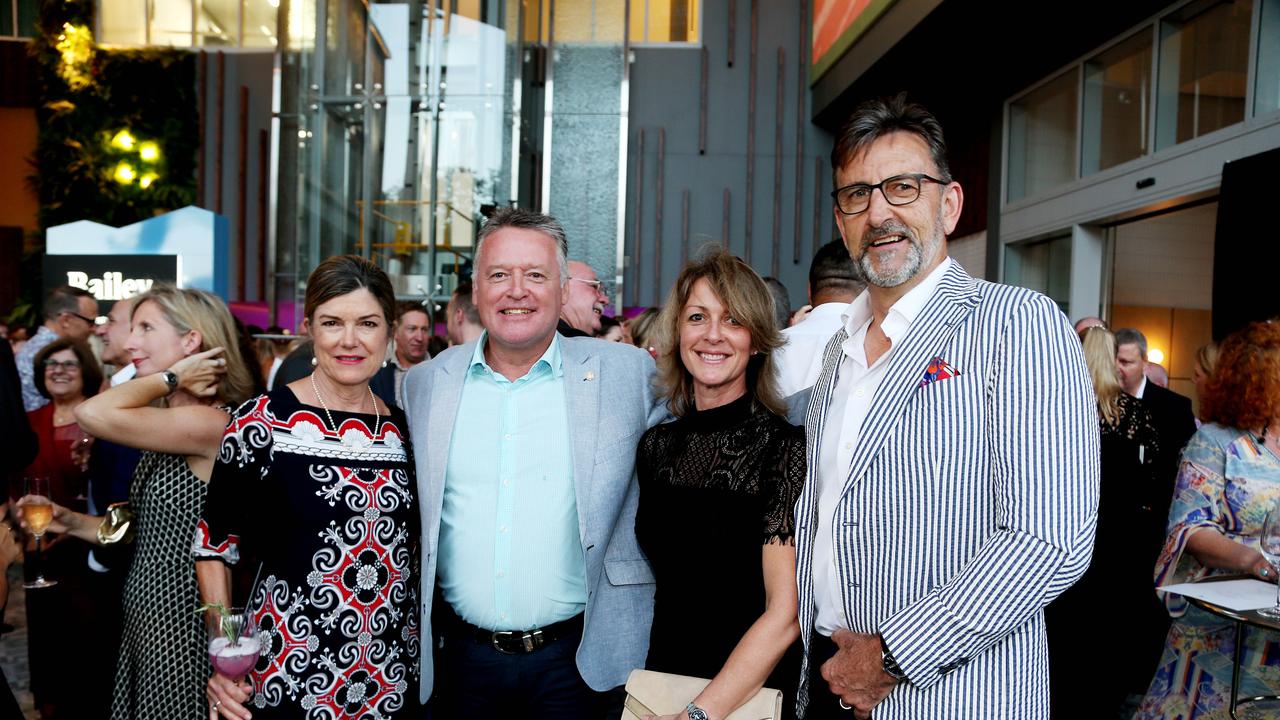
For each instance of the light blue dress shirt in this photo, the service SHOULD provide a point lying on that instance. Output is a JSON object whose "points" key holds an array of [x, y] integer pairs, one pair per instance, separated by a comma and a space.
{"points": [[511, 557]]}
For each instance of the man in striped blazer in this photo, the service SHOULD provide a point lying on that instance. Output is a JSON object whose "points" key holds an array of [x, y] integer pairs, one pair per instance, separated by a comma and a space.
{"points": [[953, 458]]}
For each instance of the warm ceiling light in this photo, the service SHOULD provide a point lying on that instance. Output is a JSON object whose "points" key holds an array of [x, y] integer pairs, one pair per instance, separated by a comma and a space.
{"points": [[149, 151], [1155, 355], [145, 181], [125, 173], [123, 140]]}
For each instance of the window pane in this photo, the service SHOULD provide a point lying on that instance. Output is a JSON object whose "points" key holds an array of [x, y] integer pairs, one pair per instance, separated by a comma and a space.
{"points": [[260, 23], [1267, 93], [1043, 266], [171, 24], [1204, 63], [28, 13], [1042, 138], [662, 21], [6, 18], [1117, 85], [217, 23], [120, 21]]}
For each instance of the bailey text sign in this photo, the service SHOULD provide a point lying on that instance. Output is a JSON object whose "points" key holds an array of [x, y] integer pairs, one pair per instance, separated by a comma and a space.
{"points": [[110, 277]]}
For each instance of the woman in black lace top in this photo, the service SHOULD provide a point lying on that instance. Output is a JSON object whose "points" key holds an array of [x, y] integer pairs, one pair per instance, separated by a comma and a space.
{"points": [[717, 491], [1131, 518]]}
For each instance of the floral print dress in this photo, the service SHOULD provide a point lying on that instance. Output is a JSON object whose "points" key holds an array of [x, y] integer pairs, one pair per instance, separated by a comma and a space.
{"points": [[1227, 482], [332, 516]]}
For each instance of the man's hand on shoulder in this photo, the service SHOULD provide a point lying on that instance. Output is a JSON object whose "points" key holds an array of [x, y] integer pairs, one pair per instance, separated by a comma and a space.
{"points": [[856, 672]]}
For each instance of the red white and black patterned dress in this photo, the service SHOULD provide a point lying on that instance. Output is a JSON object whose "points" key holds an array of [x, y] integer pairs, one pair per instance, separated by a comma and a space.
{"points": [[333, 518]]}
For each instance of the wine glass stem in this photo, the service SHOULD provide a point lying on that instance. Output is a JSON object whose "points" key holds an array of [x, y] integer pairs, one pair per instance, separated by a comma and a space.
{"points": [[39, 565]]}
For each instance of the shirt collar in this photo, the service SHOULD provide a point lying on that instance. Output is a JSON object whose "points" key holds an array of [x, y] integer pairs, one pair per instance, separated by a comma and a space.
{"points": [[1142, 388], [549, 364], [903, 312]]}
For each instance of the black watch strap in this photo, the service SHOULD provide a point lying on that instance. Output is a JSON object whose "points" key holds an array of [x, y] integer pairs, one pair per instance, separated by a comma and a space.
{"points": [[889, 664]]}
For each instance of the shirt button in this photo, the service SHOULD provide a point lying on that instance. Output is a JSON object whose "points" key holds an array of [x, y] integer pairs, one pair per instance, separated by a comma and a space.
{"points": [[501, 574], [507, 436], [506, 483], [502, 529], [859, 392], [848, 445]]}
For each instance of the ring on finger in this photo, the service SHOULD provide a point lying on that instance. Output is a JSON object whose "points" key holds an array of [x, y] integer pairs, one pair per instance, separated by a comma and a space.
{"points": [[217, 704], [842, 705]]}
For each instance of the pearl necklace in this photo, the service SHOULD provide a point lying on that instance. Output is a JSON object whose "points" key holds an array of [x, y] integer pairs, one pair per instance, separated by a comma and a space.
{"points": [[377, 416]]}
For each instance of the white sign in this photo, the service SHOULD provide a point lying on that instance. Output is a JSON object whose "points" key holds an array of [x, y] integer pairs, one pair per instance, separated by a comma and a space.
{"points": [[111, 286]]}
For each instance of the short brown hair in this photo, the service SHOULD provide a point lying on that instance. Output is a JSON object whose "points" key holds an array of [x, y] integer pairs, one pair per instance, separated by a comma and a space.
{"points": [[747, 298], [1244, 390], [874, 119], [404, 307], [90, 370], [342, 274]]}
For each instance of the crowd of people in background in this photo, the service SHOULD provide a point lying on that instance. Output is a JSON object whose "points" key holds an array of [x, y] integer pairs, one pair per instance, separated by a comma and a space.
{"points": [[885, 500]]}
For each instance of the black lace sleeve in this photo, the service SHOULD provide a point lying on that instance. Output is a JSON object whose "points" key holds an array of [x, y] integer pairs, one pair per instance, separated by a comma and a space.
{"points": [[783, 476]]}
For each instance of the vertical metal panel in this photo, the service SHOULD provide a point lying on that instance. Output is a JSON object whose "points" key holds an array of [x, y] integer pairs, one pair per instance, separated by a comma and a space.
{"points": [[219, 141], [624, 136], [242, 191], [548, 116], [202, 110], [657, 228], [684, 227], [724, 221], [704, 60], [752, 63], [802, 54], [635, 246], [817, 205], [733, 26], [776, 254], [263, 167]]}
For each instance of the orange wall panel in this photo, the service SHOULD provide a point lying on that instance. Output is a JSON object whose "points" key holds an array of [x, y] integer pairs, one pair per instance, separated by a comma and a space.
{"points": [[17, 146]]}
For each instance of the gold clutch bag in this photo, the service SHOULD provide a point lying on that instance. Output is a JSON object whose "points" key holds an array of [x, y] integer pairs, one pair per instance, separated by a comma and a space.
{"points": [[118, 525], [655, 693]]}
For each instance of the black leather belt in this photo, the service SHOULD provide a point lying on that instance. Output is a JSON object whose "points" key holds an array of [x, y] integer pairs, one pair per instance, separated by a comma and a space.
{"points": [[518, 642]]}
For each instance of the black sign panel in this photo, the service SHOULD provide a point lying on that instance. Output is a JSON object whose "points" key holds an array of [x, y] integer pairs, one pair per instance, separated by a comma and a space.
{"points": [[110, 277]]}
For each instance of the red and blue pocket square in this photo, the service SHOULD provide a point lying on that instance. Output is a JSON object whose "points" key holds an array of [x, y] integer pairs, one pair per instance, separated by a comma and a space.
{"points": [[938, 369]]}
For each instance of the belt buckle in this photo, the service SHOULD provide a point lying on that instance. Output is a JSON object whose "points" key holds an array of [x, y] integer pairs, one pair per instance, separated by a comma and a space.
{"points": [[529, 641]]}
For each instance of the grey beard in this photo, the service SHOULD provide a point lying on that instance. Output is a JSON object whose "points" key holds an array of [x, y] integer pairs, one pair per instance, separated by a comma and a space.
{"points": [[904, 273]]}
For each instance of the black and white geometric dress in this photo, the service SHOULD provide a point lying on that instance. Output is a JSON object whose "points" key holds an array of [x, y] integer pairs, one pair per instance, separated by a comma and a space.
{"points": [[332, 515], [164, 661]]}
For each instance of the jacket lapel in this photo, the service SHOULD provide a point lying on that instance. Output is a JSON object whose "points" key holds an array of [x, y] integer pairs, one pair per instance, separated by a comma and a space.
{"points": [[955, 297], [582, 396], [446, 395]]}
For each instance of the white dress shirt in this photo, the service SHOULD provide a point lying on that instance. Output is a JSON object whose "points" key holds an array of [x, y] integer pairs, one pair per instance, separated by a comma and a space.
{"points": [[799, 362], [856, 384]]}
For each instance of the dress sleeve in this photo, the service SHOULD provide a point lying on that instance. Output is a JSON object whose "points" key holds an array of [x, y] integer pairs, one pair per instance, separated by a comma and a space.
{"points": [[243, 460], [783, 480], [1199, 504]]}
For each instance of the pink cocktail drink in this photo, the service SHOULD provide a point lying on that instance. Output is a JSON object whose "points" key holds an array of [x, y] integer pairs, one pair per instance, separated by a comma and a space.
{"points": [[234, 659]]}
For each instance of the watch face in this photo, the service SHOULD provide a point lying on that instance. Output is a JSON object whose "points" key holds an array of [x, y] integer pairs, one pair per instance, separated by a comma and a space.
{"points": [[695, 712]]}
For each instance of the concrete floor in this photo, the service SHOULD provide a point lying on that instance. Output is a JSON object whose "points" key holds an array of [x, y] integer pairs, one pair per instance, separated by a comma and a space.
{"points": [[13, 644]]}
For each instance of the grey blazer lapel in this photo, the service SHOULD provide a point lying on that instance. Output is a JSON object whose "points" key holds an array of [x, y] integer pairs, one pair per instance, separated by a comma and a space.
{"points": [[582, 383], [446, 396], [955, 297]]}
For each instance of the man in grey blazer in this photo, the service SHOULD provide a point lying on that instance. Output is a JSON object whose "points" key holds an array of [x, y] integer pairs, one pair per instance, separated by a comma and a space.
{"points": [[953, 458], [525, 445]]}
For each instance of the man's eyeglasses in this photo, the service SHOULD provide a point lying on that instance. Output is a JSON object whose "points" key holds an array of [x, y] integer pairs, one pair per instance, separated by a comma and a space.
{"points": [[64, 365], [897, 190], [595, 284], [91, 321]]}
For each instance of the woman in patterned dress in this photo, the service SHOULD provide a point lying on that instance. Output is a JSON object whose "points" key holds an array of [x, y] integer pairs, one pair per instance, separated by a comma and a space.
{"points": [[176, 342], [1228, 480], [315, 484]]}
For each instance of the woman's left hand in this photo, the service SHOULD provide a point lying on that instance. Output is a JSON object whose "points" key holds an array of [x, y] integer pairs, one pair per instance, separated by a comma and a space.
{"points": [[1262, 569], [199, 373]]}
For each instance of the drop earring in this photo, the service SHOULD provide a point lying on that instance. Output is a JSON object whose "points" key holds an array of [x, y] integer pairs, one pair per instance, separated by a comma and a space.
{"points": [[314, 361], [384, 363]]}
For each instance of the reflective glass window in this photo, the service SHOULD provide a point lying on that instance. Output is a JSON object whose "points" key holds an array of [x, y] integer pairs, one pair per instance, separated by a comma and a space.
{"points": [[1204, 65], [1042, 137], [1267, 91], [1117, 104]]}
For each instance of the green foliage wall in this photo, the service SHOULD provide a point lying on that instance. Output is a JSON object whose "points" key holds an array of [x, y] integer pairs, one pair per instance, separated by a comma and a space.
{"points": [[150, 92]]}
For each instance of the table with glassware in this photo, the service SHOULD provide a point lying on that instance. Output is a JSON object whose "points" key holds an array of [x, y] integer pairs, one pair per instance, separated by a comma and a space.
{"points": [[1240, 618]]}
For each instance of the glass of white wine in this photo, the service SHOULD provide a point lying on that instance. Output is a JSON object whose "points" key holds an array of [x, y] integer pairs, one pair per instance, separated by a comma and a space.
{"points": [[37, 511], [1269, 544]]}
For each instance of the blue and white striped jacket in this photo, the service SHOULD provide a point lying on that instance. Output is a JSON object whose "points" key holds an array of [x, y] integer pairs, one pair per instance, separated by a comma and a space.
{"points": [[969, 505]]}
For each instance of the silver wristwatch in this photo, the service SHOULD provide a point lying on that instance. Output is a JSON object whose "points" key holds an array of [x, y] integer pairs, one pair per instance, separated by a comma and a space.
{"points": [[889, 664], [171, 379], [695, 712]]}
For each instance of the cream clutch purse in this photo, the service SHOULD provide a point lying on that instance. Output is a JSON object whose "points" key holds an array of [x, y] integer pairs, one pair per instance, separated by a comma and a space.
{"points": [[655, 693]]}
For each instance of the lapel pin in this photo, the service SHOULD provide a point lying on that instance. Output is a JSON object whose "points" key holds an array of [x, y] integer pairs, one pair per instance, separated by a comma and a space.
{"points": [[589, 376]]}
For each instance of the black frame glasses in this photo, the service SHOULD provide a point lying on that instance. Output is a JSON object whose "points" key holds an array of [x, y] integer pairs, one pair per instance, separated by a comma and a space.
{"points": [[63, 365], [93, 322], [897, 198]]}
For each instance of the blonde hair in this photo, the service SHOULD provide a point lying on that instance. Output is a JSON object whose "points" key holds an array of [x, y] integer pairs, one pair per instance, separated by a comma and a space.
{"points": [[187, 309], [1100, 357], [748, 300]]}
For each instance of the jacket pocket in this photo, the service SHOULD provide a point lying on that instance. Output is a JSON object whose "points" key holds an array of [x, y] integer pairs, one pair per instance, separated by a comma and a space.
{"points": [[628, 572]]}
